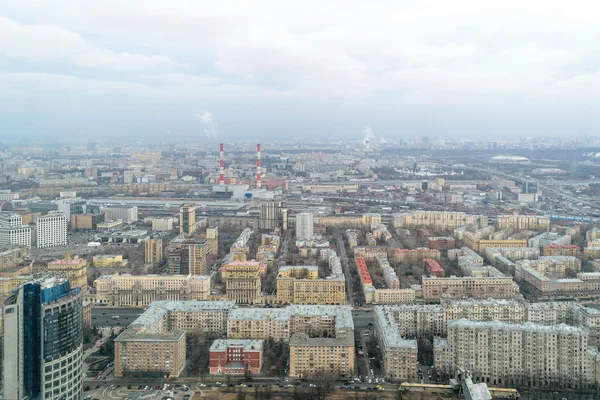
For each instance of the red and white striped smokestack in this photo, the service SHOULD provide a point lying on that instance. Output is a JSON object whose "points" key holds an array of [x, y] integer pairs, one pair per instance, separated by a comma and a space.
{"points": [[221, 166], [258, 165]]}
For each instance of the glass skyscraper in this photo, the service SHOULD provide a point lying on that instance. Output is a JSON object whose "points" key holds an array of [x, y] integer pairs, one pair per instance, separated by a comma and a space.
{"points": [[43, 341]]}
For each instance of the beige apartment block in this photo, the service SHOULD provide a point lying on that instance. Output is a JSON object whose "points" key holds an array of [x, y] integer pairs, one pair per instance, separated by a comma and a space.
{"points": [[523, 222], [138, 353], [140, 290], [300, 285], [498, 353], [13, 255], [443, 220], [399, 354], [74, 268], [242, 280], [326, 357], [498, 287], [153, 251]]}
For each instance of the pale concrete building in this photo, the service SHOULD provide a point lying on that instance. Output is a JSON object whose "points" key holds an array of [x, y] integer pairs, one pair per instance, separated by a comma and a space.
{"points": [[161, 355], [523, 222], [162, 224], [304, 226], [133, 290], [500, 287], [399, 354], [51, 230], [243, 280], [444, 220], [311, 357], [13, 232], [300, 285], [498, 353]]}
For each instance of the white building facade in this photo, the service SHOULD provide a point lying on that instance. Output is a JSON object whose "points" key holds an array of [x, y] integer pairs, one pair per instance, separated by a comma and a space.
{"points": [[51, 230]]}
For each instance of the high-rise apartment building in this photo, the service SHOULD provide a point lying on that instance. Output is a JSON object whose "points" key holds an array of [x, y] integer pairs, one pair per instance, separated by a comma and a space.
{"points": [[51, 230], [128, 176], [153, 251], [187, 218], [12, 230], [43, 341], [188, 256], [304, 226], [270, 216]]}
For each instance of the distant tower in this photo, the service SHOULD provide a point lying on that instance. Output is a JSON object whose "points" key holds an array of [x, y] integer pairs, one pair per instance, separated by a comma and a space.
{"points": [[187, 218], [258, 166], [304, 226], [221, 166], [270, 216]]}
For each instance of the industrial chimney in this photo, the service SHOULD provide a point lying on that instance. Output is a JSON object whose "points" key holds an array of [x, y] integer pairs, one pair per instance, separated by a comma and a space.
{"points": [[221, 166], [258, 165]]}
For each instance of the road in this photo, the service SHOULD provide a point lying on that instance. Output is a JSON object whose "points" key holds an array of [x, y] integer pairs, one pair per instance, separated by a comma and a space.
{"points": [[362, 318], [365, 348], [95, 348], [102, 316], [344, 260]]}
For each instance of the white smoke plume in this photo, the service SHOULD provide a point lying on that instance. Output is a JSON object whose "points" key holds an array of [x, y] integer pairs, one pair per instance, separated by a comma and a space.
{"points": [[210, 127]]}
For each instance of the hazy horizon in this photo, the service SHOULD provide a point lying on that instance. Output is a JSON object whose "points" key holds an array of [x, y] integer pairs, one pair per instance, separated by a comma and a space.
{"points": [[146, 70]]}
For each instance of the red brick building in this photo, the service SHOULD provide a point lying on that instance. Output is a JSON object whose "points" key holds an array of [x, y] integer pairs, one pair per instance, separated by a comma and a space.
{"points": [[236, 357], [440, 242], [433, 268]]}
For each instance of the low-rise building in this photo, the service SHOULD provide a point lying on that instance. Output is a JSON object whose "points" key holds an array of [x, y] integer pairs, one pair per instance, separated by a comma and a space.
{"points": [[440, 242], [162, 224], [109, 261], [433, 268], [236, 357]]}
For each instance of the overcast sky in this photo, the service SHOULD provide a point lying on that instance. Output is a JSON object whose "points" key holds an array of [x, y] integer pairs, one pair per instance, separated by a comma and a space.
{"points": [[132, 69]]}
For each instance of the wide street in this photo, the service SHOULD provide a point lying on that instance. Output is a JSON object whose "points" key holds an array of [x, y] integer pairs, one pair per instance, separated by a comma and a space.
{"points": [[103, 316], [362, 318]]}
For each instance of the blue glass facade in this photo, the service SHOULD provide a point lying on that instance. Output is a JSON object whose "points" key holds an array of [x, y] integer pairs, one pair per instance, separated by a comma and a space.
{"points": [[52, 338], [32, 339]]}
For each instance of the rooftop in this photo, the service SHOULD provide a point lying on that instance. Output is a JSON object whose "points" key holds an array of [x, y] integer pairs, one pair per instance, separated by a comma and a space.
{"points": [[246, 344], [504, 326]]}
